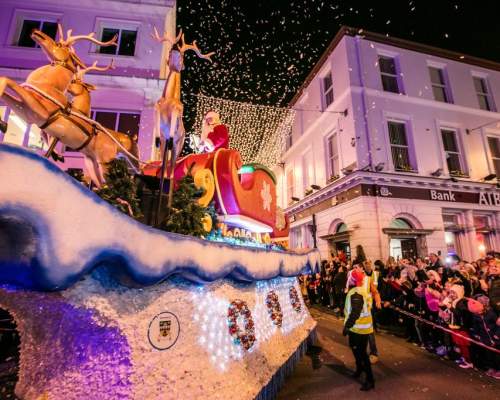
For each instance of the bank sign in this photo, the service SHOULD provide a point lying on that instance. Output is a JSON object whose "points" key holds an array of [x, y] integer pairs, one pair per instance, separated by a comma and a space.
{"points": [[483, 198], [480, 197]]}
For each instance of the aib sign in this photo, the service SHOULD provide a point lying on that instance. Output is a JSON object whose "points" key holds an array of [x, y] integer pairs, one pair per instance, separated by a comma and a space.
{"points": [[163, 331]]}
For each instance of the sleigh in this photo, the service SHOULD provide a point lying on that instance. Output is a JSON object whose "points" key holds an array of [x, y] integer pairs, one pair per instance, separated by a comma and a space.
{"points": [[244, 195]]}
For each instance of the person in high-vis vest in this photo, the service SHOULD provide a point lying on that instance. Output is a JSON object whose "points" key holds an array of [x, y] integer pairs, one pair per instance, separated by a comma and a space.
{"points": [[370, 284], [358, 324]]}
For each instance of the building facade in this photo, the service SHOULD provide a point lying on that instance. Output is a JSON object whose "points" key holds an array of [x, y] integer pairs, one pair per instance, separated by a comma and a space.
{"points": [[125, 96], [395, 147]]}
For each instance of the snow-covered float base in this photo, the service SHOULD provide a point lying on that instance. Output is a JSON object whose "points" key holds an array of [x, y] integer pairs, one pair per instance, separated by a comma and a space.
{"points": [[100, 340]]}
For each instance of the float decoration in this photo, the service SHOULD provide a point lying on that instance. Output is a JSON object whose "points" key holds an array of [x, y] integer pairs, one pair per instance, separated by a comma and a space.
{"points": [[274, 308], [244, 336], [126, 311]]}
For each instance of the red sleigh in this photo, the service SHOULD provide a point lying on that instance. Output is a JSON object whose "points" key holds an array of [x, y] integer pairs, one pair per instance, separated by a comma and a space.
{"points": [[245, 195]]}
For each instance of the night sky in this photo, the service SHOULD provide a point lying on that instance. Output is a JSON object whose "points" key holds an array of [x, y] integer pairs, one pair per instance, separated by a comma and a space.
{"points": [[265, 48]]}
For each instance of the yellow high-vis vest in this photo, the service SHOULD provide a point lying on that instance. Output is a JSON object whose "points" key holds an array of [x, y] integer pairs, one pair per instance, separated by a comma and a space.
{"points": [[364, 324]]}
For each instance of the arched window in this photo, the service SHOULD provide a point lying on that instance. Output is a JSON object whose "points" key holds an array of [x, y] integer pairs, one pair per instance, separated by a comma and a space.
{"points": [[341, 228], [400, 223]]}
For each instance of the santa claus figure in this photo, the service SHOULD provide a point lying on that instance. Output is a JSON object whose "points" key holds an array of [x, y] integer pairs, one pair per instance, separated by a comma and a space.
{"points": [[214, 135]]}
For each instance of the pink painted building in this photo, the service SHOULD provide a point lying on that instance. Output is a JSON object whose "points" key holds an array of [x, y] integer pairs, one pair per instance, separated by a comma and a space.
{"points": [[396, 146], [125, 96]]}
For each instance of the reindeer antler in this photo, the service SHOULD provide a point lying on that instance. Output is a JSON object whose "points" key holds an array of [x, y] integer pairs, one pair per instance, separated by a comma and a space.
{"points": [[94, 67], [70, 40], [193, 46], [165, 38]]}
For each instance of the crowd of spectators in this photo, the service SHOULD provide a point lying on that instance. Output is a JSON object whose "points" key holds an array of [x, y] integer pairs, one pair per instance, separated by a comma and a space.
{"points": [[462, 297]]}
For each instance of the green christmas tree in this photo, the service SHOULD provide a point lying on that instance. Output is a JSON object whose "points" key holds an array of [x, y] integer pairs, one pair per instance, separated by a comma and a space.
{"points": [[186, 215], [120, 189]]}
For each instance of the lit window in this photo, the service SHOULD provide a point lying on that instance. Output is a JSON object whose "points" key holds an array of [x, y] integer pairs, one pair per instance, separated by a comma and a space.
{"points": [[125, 43], [16, 129], [327, 89], [438, 82], [28, 25], [452, 152], [494, 145], [389, 74], [332, 153], [482, 93], [399, 146]]}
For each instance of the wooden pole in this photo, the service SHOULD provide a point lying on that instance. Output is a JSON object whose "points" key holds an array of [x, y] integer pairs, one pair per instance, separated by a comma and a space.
{"points": [[168, 144]]}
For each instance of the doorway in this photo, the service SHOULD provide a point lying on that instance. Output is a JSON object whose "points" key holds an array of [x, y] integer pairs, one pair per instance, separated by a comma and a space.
{"points": [[403, 248]]}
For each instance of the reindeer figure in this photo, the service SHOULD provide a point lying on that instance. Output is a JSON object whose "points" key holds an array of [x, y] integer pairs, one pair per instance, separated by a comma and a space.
{"points": [[101, 149], [52, 80], [169, 108]]}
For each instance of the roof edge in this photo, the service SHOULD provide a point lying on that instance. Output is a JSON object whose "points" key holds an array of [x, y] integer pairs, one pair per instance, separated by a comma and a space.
{"points": [[391, 41]]}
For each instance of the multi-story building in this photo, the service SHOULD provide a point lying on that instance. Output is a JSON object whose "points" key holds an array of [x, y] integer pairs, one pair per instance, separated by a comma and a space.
{"points": [[125, 96], [395, 147]]}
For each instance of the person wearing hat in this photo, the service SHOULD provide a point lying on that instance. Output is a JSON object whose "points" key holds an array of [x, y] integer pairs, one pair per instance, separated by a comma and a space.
{"points": [[358, 324]]}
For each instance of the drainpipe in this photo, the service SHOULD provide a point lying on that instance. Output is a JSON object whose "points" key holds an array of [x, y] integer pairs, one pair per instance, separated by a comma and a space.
{"points": [[364, 108]]}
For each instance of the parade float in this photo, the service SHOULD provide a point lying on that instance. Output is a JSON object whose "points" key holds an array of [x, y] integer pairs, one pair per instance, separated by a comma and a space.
{"points": [[110, 308]]}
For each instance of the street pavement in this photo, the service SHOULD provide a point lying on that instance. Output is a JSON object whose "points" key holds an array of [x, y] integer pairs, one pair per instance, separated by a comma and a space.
{"points": [[404, 372]]}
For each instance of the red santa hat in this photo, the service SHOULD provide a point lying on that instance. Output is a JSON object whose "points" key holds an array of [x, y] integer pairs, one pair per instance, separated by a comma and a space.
{"points": [[355, 278]]}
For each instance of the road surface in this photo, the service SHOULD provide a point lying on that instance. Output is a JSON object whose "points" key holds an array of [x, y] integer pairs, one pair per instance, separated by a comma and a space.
{"points": [[404, 372]]}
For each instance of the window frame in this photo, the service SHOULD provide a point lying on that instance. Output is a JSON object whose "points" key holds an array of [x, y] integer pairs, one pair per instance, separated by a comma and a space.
{"points": [[488, 95], [445, 85], [117, 122], [331, 157], [491, 158], [412, 159], [396, 75], [327, 91], [20, 15], [460, 151], [119, 24]]}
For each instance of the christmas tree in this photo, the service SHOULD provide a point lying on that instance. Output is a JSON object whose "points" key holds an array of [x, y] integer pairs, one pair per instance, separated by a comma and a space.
{"points": [[186, 215], [120, 189]]}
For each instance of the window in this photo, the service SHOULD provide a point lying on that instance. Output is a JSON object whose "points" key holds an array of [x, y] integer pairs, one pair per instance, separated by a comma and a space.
{"points": [[126, 41], [389, 74], [438, 83], [452, 152], [399, 146], [125, 122], [332, 154], [28, 25], [327, 86], [289, 185], [482, 93], [16, 129], [494, 145]]}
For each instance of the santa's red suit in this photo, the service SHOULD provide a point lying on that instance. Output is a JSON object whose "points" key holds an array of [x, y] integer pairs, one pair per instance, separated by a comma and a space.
{"points": [[218, 138]]}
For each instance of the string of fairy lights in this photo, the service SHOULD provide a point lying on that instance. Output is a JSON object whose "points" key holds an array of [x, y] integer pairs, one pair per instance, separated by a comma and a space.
{"points": [[258, 132]]}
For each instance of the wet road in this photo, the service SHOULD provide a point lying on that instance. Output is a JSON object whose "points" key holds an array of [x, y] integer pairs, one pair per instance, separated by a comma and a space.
{"points": [[404, 372]]}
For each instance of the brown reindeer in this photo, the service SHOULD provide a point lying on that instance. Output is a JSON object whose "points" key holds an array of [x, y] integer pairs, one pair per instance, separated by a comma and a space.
{"points": [[101, 148], [169, 108], [41, 99], [52, 79]]}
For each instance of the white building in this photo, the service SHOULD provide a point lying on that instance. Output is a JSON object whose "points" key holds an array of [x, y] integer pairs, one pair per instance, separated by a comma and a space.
{"points": [[410, 167]]}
